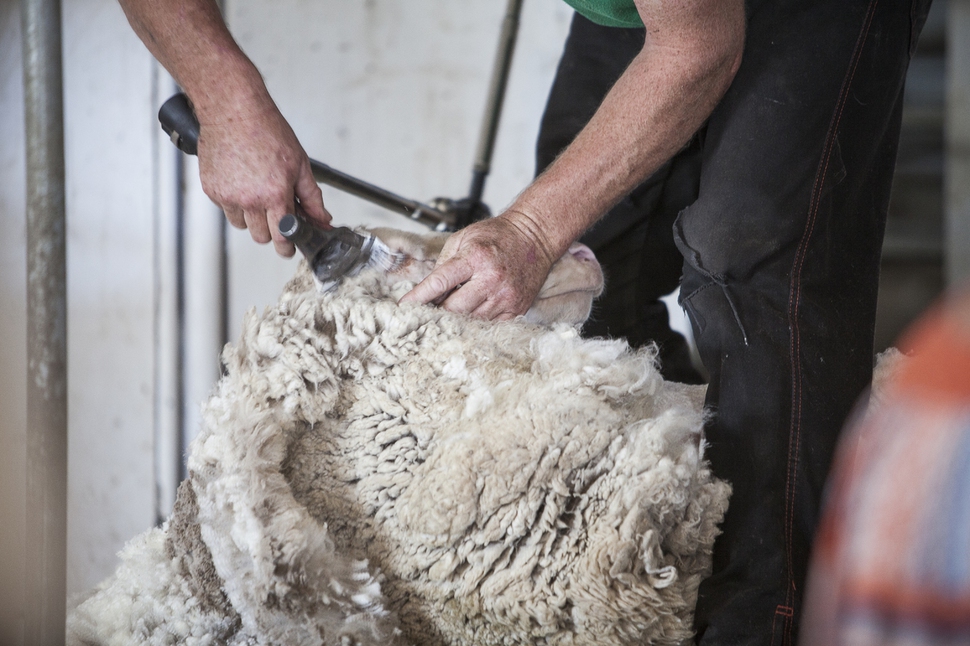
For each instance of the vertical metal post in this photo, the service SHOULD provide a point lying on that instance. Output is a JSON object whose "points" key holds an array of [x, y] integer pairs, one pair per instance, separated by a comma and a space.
{"points": [[46, 528], [957, 128], [496, 95]]}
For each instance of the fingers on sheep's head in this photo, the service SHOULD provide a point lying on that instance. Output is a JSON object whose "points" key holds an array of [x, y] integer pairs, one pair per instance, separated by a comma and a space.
{"points": [[567, 296]]}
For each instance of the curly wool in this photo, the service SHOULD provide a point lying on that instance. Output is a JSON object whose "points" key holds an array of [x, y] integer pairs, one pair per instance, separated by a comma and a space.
{"points": [[373, 473]]}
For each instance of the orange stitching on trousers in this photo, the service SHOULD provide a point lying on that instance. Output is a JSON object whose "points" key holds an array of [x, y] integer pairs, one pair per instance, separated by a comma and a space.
{"points": [[787, 612], [794, 429]]}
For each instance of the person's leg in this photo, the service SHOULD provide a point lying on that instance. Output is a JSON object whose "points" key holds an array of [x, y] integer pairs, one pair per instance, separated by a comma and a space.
{"points": [[633, 242], [781, 268]]}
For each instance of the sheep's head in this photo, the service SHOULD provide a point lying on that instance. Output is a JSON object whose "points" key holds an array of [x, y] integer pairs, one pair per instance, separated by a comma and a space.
{"points": [[566, 296]]}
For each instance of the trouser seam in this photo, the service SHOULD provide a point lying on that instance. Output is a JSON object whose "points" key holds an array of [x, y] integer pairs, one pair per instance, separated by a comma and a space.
{"points": [[698, 291], [794, 430], [693, 258]]}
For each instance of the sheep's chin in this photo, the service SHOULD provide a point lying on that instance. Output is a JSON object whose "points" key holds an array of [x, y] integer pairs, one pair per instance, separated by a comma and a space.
{"points": [[572, 308]]}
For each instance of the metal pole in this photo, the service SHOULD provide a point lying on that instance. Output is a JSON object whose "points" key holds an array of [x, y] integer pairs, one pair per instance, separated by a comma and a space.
{"points": [[496, 95], [426, 215], [46, 529], [957, 172]]}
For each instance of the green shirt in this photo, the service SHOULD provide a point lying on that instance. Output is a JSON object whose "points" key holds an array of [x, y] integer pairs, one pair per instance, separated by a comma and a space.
{"points": [[609, 13]]}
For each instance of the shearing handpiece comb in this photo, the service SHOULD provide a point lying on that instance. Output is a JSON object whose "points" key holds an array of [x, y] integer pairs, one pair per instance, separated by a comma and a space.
{"points": [[335, 253]]}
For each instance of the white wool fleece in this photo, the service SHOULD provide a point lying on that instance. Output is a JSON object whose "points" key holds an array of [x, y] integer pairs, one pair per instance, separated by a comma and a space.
{"points": [[377, 474]]}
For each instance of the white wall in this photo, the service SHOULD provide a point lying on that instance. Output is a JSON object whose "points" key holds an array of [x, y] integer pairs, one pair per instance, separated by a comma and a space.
{"points": [[108, 85], [113, 203], [391, 92]]}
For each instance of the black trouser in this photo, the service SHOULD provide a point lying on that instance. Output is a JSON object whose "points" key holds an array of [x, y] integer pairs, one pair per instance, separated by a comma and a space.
{"points": [[777, 209]]}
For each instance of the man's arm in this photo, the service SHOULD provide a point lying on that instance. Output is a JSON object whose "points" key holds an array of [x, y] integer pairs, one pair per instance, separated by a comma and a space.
{"points": [[250, 161], [691, 53]]}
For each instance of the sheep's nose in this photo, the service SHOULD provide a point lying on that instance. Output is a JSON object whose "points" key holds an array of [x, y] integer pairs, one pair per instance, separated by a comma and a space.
{"points": [[581, 251]]}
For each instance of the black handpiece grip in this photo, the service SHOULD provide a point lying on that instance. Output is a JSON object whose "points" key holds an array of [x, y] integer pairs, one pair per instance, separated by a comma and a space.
{"points": [[179, 122], [331, 253]]}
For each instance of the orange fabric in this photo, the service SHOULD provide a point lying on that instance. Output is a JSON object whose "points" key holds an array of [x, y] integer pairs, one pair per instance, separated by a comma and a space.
{"points": [[940, 366]]}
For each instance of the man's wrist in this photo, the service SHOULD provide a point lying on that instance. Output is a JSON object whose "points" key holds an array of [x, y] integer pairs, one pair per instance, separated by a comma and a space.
{"points": [[543, 233], [556, 228], [238, 93]]}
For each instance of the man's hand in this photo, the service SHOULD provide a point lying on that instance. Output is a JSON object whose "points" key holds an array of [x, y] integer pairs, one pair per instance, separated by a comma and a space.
{"points": [[251, 162], [253, 167], [492, 269]]}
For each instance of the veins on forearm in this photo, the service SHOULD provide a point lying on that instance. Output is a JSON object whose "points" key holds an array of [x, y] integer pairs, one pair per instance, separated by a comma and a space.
{"points": [[651, 112]]}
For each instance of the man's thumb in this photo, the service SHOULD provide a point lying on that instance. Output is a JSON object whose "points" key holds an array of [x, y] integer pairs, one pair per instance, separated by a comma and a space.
{"points": [[311, 198]]}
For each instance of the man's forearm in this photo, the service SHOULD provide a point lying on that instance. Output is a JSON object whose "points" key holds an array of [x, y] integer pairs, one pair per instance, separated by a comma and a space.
{"points": [[655, 107], [250, 161], [191, 40]]}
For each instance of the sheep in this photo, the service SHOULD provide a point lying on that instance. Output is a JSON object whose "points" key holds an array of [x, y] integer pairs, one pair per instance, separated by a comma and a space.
{"points": [[374, 473]]}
